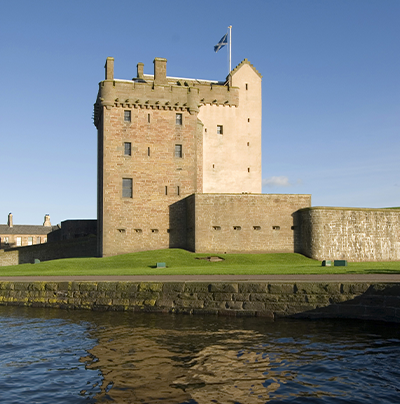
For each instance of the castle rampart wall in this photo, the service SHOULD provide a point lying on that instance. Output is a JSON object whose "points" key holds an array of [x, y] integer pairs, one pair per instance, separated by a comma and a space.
{"points": [[246, 222], [350, 233]]}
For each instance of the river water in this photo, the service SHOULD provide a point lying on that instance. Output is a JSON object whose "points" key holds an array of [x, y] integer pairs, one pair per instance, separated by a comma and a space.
{"points": [[56, 356]]}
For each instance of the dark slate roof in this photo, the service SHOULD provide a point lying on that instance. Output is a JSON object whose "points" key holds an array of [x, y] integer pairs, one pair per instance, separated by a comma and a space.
{"points": [[26, 229]]}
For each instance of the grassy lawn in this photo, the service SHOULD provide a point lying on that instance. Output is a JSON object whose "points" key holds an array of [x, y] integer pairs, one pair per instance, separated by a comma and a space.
{"points": [[181, 262]]}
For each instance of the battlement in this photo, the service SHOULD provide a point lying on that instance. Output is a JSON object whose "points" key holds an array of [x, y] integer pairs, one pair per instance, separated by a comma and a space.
{"points": [[159, 91]]}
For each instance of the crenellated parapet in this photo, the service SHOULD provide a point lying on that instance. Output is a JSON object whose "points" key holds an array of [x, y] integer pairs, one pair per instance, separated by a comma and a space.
{"points": [[161, 92]]}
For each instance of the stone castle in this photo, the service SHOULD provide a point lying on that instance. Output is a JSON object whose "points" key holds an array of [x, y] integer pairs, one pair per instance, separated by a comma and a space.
{"points": [[179, 166]]}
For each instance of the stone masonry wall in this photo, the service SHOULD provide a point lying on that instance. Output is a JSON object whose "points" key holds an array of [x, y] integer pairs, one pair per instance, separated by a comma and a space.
{"points": [[247, 222], [159, 177], [264, 299], [350, 233], [81, 247]]}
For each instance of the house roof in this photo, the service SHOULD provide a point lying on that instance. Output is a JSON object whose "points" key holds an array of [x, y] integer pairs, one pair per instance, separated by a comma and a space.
{"points": [[26, 229]]}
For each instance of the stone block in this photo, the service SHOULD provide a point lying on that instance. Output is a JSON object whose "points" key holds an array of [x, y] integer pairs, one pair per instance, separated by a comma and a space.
{"points": [[21, 285], [151, 287], [196, 287], [173, 287], [253, 287], [87, 286], [107, 286], [281, 288], [189, 304], [51, 286], [165, 303], [127, 287], [240, 297], [224, 287], [187, 296], [312, 288], [214, 305], [354, 288], [234, 305], [222, 296], [254, 306]]}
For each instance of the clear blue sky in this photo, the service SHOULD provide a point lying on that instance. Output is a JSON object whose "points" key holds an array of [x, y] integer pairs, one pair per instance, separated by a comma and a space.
{"points": [[331, 91]]}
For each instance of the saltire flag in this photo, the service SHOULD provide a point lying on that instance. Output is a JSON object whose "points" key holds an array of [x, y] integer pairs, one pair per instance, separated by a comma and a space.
{"points": [[222, 42]]}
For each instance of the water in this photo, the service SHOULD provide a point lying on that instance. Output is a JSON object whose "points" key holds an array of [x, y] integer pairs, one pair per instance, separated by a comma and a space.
{"points": [[50, 356]]}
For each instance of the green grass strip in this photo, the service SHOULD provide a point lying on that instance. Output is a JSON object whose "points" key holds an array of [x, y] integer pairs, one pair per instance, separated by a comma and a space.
{"points": [[182, 262]]}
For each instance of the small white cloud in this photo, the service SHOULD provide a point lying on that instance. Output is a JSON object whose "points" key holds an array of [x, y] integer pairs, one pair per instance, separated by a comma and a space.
{"points": [[281, 181]]}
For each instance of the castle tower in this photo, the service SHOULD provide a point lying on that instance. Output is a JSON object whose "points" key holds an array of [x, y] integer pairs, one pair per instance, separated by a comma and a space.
{"points": [[161, 139]]}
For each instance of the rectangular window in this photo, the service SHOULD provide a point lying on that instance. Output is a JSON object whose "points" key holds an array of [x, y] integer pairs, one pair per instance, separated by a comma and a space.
{"points": [[6, 241], [30, 240], [127, 148], [178, 150], [148, 151], [127, 187], [19, 241], [37, 240], [178, 119], [178, 190], [220, 129], [127, 116], [148, 118]]}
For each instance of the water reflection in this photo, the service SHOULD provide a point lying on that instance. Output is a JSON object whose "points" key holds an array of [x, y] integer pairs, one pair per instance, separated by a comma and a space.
{"points": [[81, 356]]}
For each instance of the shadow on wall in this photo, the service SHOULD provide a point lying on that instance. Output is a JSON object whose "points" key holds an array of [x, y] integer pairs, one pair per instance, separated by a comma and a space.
{"points": [[76, 248], [379, 302], [178, 225]]}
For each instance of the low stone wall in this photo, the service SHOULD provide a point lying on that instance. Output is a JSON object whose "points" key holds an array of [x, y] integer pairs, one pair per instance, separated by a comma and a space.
{"points": [[366, 301], [79, 247]]}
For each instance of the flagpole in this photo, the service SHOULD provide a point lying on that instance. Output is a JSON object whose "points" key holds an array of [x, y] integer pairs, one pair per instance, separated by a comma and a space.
{"points": [[230, 48]]}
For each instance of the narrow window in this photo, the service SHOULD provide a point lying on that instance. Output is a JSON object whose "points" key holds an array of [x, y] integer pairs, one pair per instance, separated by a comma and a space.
{"points": [[213, 165], [217, 227], [256, 227], [127, 148], [178, 191], [148, 118], [19, 241], [138, 230], [148, 151], [237, 228], [178, 150], [247, 86], [37, 240], [220, 130], [276, 227], [166, 190], [248, 119], [154, 230], [127, 187], [205, 130], [248, 143], [127, 116], [30, 240], [248, 169], [121, 230], [178, 119], [6, 240]]}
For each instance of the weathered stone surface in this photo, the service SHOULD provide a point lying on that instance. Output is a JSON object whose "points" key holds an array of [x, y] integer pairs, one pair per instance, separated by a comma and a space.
{"points": [[224, 287], [172, 287], [222, 296], [322, 300], [354, 288], [251, 287], [281, 288]]}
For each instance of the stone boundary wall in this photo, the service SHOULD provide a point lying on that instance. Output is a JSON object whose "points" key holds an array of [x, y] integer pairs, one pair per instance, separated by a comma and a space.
{"points": [[79, 247], [365, 301], [353, 234]]}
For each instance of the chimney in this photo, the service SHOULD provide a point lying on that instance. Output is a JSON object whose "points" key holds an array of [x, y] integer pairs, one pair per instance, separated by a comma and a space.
{"points": [[140, 70], [160, 71], [47, 220], [10, 220], [109, 66]]}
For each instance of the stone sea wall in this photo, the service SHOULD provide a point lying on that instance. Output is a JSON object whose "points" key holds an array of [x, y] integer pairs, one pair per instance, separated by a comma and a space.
{"points": [[367, 301]]}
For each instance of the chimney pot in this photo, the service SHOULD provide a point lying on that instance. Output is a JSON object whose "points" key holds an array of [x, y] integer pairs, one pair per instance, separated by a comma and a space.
{"points": [[140, 70], [10, 220]]}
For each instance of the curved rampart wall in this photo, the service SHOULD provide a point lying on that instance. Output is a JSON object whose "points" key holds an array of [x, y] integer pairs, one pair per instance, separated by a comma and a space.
{"points": [[349, 233], [366, 301]]}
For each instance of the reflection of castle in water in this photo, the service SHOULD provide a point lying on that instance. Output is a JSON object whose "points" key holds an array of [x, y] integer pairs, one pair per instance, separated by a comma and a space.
{"points": [[154, 365]]}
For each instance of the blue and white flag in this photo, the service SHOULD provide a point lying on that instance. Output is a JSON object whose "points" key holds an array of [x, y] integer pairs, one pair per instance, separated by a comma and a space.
{"points": [[222, 42]]}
